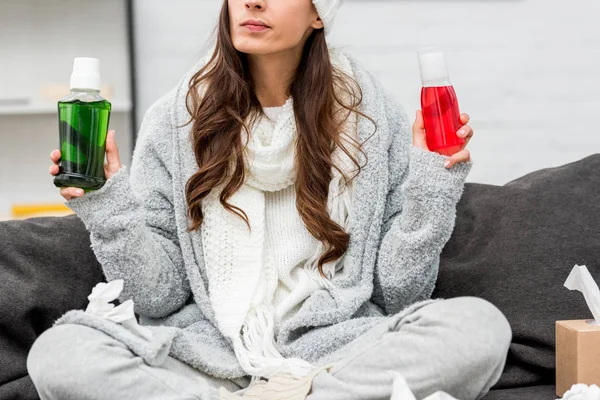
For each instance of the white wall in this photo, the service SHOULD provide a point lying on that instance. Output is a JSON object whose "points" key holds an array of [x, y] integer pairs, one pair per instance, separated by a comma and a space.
{"points": [[526, 71], [169, 38], [38, 41]]}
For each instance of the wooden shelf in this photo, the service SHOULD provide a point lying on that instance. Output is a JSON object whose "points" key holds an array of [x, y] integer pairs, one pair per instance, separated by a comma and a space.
{"points": [[8, 217], [23, 211]]}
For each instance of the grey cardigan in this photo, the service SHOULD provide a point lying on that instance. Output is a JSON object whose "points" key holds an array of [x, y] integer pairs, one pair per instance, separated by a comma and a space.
{"points": [[404, 212]]}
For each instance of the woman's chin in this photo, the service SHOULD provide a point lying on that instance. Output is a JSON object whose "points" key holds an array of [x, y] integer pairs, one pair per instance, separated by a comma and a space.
{"points": [[253, 46]]}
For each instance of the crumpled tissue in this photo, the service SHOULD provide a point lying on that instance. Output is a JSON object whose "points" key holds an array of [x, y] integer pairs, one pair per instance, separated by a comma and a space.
{"points": [[580, 279], [401, 391], [100, 305], [581, 391]]}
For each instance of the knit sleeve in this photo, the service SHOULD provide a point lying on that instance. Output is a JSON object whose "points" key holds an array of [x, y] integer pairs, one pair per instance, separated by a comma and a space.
{"points": [[131, 221], [419, 217]]}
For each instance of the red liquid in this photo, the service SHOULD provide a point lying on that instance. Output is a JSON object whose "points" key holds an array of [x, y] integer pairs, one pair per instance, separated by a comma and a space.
{"points": [[442, 119]]}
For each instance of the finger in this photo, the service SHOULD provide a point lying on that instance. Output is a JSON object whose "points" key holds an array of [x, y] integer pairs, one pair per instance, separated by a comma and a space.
{"points": [[464, 118], [53, 169], [419, 123], [55, 156], [463, 155], [465, 132], [468, 139], [71, 192], [112, 151], [418, 131], [107, 169], [469, 135]]}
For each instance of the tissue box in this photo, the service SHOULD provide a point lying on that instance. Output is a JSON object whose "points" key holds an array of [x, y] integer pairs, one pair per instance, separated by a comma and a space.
{"points": [[577, 354]]}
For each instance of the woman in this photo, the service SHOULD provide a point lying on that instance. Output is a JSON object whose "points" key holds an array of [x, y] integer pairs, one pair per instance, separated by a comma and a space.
{"points": [[279, 233]]}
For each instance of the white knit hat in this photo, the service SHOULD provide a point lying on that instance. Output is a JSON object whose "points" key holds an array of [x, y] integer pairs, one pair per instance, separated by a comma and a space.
{"points": [[327, 10]]}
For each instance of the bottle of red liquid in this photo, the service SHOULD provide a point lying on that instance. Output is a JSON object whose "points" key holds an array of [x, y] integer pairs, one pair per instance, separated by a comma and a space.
{"points": [[439, 104]]}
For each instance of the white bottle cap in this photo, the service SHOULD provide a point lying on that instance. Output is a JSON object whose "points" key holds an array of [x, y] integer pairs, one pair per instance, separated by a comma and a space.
{"points": [[432, 65], [86, 74]]}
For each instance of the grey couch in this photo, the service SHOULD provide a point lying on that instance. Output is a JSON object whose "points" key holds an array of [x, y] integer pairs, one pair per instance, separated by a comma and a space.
{"points": [[512, 245]]}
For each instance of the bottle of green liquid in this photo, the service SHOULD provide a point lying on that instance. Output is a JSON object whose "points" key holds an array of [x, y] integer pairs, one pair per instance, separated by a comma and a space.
{"points": [[83, 118]]}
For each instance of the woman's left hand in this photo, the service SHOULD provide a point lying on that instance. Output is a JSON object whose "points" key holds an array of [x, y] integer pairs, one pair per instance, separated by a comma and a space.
{"points": [[465, 132]]}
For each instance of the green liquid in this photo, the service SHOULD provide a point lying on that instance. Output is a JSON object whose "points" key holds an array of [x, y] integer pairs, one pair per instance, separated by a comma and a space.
{"points": [[82, 139]]}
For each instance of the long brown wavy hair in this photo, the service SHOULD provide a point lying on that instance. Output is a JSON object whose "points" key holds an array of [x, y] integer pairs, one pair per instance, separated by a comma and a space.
{"points": [[222, 102]]}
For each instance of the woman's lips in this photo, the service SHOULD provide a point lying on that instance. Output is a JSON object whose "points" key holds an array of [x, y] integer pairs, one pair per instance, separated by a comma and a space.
{"points": [[256, 28]]}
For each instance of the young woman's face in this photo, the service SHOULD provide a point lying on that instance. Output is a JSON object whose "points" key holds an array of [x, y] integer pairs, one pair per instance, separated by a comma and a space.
{"points": [[263, 27]]}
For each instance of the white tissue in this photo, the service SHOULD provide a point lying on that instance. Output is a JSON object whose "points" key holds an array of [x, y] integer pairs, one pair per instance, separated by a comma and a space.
{"points": [[580, 279], [100, 305], [582, 392], [440, 396], [401, 391]]}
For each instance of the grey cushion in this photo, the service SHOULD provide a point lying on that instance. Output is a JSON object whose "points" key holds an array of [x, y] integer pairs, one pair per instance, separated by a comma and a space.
{"points": [[46, 268], [515, 245], [542, 392]]}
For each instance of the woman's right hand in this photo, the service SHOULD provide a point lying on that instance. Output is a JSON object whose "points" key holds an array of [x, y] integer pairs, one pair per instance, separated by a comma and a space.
{"points": [[465, 132], [110, 168]]}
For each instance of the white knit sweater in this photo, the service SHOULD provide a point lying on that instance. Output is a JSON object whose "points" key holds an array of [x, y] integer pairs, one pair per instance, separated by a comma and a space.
{"points": [[242, 264], [289, 240]]}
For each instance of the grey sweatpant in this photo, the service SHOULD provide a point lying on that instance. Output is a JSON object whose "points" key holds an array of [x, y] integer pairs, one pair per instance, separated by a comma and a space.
{"points": [[456, 345]]}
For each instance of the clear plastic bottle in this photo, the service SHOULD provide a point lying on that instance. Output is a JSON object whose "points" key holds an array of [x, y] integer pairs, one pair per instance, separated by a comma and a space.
{"points": [[83, 118], [439, 104]]}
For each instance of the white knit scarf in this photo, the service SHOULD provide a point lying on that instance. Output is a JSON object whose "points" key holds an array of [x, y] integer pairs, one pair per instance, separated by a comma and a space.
{"points": [[241, 272]]}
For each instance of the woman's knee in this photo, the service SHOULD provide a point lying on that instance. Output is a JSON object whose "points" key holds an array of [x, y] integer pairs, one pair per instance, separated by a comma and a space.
{"points": [[56, 359], [486, 330], [491, 340], [476, 323], [477, 336], [489, 319]]}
